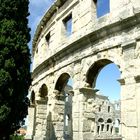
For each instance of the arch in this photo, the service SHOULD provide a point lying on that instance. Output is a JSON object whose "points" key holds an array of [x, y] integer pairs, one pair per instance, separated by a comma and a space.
{"points": [[43, 91], [62, 81], [100, 120], [109, 121], [32, 98], [94, 71]]}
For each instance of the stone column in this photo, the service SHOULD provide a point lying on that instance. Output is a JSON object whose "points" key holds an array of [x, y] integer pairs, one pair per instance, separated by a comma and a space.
{"points": [[129, 118], [57, 132], [31, 122], [40, 122], [75, 115], [87, 114]]}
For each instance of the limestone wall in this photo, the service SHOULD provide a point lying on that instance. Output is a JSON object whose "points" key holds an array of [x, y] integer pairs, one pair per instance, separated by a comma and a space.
{"points": [[93, 43]]}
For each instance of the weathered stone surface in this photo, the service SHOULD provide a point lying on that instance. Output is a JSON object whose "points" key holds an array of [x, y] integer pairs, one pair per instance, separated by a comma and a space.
{"points": [[93, 43]]}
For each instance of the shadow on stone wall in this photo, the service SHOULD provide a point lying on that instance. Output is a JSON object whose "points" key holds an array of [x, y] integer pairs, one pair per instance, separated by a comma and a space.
{"points": [[50, 133]]}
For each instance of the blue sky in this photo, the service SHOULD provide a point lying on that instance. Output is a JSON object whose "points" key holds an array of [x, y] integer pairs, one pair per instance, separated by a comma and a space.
{"points": [[37, 9], [107, 82], [107, 79], [102, 7]]}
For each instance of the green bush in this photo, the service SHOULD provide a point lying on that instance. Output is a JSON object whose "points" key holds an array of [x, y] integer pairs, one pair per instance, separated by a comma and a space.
{"points": [[16, 137]]}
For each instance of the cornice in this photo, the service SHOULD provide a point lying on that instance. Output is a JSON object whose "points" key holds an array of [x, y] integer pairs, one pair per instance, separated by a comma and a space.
{"points": [[92, 36]]}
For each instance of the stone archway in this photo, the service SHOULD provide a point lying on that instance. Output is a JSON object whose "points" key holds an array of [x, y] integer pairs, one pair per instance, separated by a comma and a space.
{"points": [[111, 38], [43, 91], [63, 107], [97, 105], [62, 82], [94, 70]]}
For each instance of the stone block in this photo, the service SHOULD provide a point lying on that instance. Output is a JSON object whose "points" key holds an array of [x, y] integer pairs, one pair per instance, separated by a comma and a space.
{"points": [[59, 109], [59, 126], [89, 115], [85, 126], [131, 119], [59, 134], [75, 136], [88, 136], [57, 117], [75, 125]]}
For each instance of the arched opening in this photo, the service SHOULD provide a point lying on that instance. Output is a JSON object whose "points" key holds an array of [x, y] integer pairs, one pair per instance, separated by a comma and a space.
{"points": [[100, 126], [107, 82], [62, 82], [104, 75], [109, 121], [64, 89], [94, 71], [43, 91], [100, 120]]}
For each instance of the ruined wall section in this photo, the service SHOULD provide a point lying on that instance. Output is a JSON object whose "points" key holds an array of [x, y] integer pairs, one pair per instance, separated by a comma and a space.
{"points": [[82, 24], [84, 21], [114, 37]]}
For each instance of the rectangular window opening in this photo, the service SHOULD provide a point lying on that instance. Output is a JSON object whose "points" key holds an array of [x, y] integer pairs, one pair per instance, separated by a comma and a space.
{"points": [[107, 127], [47, 37], [108, 108], [102, 7], [111, 129], [99, 109], [68, 25], [98, 129], [102, 127]]}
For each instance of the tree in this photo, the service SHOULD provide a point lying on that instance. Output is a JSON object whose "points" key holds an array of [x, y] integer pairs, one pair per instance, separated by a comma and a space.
{"points": [[14, 65]]}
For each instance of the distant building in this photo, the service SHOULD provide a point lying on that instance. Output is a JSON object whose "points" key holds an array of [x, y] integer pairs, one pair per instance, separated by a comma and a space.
{"points": [[107, 118]]}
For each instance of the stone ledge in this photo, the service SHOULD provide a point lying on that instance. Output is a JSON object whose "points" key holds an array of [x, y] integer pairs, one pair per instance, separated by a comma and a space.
{"points": [[87, 90], [82, 42]]}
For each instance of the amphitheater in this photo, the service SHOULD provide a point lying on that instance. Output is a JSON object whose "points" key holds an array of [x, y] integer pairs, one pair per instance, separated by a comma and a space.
{"points": [[75, 40]]}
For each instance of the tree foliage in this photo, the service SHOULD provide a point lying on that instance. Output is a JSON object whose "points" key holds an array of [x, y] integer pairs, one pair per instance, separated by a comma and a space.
{"points": [[14, 64]]}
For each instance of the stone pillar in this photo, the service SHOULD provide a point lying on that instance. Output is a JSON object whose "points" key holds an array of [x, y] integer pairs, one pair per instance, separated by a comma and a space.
{"points": [[40, 122], [75, 115], [129, 118], [57, 132], [86, 126], [31, 122]]}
